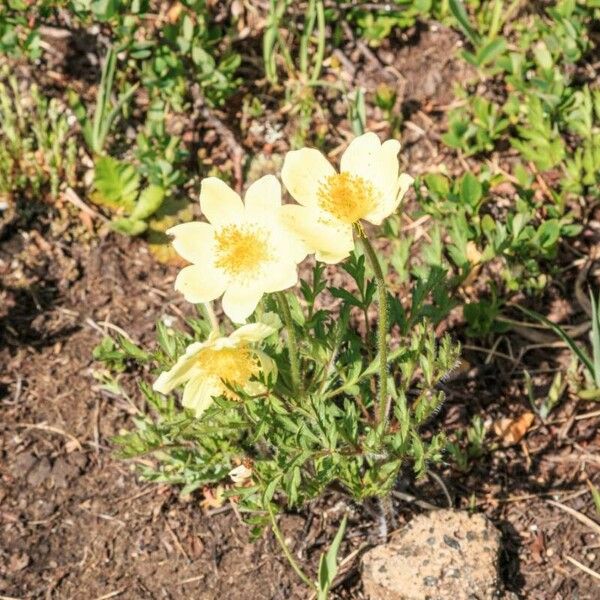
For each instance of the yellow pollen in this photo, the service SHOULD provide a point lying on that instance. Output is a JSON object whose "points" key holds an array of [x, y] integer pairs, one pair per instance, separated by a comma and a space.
{"points": [[347, 197], [232, 366], [241, 249]]}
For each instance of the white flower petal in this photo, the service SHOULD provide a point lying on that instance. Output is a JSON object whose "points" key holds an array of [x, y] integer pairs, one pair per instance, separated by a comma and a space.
{"points": [[181, 371], [385, 176], [362, 155], [289, 244], [331, 240], [219, 203], [239, 301], [303, 172], [263, 196], [193, 241], [252, 332], [332, 258], [283, 275], [199, 393], [385, 209], [240, 474], [200, 283], [404, 183]]}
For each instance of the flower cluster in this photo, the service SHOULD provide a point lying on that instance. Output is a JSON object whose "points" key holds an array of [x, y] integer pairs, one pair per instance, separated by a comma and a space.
{"points": [[252, 247]]}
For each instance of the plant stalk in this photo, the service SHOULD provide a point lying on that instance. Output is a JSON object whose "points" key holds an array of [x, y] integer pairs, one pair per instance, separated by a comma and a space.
{"points": [[279, 536], [284, 307], [382, 326]]}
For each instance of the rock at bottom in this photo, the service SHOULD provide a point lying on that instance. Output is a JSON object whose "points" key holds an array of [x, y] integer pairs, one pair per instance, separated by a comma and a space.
{"points": [[444, 554]]}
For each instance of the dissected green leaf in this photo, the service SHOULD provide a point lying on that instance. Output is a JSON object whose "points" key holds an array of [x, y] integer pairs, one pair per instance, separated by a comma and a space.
{"points": [[116, 184]]}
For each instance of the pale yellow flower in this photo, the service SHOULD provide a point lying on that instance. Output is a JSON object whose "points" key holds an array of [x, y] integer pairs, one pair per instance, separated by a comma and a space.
{"points": [[243, 251], [212, 368], [368, 186]]}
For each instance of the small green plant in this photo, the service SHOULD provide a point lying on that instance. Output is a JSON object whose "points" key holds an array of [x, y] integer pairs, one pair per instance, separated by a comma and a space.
{"points": [[106, 111], [37, 148], [274, 44], [520, 239], [475, 127], [117, 187], [487, 44], [469, 446], [549, 402], [301, 53], [374, 25]]}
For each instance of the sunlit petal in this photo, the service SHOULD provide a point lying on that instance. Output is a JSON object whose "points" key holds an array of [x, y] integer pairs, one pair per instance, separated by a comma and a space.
{"points": [[199, 393], [329, 239], [193, 241], [180, 372], [219, 203], [303, 173], [252, 332], [263, 196], [385, 209], [362, 156], [239, 301], [200, 283]]}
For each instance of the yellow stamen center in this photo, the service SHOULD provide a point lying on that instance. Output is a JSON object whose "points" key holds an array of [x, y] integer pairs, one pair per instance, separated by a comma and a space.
{"points": [[231, 366], [241, 250], [348, 198]]}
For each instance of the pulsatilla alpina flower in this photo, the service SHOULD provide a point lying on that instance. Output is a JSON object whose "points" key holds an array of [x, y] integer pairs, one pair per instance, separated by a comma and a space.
{"points": [[367, 187], [218, 367], [242, 252]]}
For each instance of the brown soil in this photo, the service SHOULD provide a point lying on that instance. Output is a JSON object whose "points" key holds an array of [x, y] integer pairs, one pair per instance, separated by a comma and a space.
{"points": [[75, 522]]}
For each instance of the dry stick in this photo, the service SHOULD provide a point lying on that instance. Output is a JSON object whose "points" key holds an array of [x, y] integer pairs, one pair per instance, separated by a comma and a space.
{"points": [[111, 595], [227, 135], [44, 427], [582, 567], [442, 485], [177, 542], [71, 195], [575, 513], [414, 500]]}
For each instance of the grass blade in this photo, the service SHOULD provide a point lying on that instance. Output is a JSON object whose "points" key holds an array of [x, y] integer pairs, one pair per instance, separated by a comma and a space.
{"points": [[562, 334], [595, 337], [460, 14], [328, 562]]}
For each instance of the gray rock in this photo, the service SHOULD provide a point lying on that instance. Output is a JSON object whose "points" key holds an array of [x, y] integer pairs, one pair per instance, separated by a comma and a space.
{"points": [[441, 555]]}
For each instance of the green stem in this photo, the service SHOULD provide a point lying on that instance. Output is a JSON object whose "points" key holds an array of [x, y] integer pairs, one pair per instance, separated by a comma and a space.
{"points": [[382, 326], [284, 307], [320, 42], [286, 550]]}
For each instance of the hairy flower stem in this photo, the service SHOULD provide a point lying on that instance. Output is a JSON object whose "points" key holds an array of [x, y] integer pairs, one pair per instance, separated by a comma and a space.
{"points": [[279, 536], [382, 326], [210, 315], [284, 307]]}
